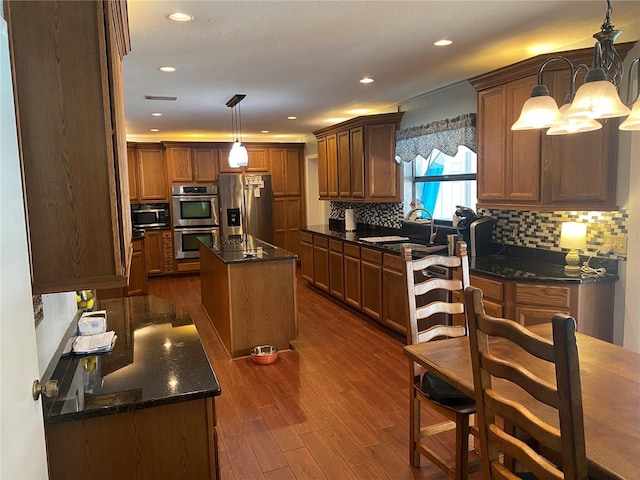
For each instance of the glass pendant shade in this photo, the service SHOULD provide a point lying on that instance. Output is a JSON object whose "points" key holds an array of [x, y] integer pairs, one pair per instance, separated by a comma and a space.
{"points": [[538, 112], [573, 125], [238, 156], [633, 120], [597, 100]]}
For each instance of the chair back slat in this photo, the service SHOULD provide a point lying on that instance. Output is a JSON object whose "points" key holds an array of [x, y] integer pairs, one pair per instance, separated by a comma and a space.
{"points": [[504, 385]]}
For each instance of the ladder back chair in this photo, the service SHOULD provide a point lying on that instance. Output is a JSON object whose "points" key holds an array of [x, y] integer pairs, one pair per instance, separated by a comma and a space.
{"points": [[457, 408], [501, 371]]}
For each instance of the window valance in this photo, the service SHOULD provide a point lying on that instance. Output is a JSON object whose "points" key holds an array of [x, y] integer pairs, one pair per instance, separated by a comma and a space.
{"points": [[445, 135]]}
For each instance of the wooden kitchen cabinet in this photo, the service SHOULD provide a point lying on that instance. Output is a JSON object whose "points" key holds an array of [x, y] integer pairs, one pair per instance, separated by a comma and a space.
{"points": [[531, 303], [138, 272], [258, 160], [65, 59], [158, 252], [336, 269], [395, 304], [356, 159], [192, 163], [147, 173], [352, 283], [306, 254], [371, 280], [321, 262], [529, 169], [285, 166]]}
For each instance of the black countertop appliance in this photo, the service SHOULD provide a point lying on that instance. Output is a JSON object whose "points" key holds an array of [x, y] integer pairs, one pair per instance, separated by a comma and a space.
{"points": [[476, 230]]}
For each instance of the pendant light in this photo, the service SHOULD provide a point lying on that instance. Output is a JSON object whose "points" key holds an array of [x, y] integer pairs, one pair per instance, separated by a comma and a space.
{"points": [[238, 156]]}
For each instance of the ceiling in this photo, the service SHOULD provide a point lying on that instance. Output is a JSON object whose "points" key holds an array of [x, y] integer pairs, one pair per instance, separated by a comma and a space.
{"points": [[305, 58]]}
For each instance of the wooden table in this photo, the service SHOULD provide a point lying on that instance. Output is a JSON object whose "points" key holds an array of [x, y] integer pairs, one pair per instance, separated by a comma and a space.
{"points": [[610, 377]]}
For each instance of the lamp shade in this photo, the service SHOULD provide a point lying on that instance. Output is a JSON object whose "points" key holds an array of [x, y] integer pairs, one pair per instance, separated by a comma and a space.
{"points": [[538, 112], [238, 156], [573, 125], [633, 120], [573, 236], [597, 99]]}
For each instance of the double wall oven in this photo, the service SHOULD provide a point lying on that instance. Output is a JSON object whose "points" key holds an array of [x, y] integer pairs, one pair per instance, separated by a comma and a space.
{"points": [[195, 218]]}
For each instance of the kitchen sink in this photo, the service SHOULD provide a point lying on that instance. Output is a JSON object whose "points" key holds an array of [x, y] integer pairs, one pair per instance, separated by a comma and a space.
{"points": [[416, 247]]}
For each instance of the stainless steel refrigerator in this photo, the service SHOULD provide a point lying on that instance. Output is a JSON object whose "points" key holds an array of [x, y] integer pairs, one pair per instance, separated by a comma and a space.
{"points": [[246, 205]]}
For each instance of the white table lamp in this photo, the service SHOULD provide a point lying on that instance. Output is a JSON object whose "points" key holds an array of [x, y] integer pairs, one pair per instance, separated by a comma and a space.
{"points": [[574, 237]]}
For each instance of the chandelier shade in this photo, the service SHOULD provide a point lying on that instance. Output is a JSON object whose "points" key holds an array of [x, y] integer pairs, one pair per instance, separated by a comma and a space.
{"points": [[597, 99], [538, 112], [573, 125]]}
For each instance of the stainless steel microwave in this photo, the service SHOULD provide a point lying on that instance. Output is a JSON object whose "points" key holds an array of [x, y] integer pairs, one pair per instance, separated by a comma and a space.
{"points": [[150, 215]]}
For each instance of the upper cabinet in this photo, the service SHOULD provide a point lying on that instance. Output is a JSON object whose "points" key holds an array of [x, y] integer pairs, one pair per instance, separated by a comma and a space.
{"points": [[258, 160], [147, 173], [529, 169], [356, 160], [192, 163], [65, 59]]}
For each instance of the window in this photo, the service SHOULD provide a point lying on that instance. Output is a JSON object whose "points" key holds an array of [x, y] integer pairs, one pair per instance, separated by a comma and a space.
{"points": [[440, 182], [443, 159]]}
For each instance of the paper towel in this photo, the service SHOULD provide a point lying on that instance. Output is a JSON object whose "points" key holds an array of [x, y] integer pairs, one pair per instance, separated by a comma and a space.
{"points": [[350, 220]]}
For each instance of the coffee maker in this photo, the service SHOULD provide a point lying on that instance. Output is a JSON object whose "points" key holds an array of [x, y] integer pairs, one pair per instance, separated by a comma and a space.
{"points": [[476, 230]]}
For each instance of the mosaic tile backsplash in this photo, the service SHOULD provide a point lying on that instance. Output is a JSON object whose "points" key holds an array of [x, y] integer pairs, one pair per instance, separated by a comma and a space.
{"points": [[542, 229], [379, 214], [521, 228]]}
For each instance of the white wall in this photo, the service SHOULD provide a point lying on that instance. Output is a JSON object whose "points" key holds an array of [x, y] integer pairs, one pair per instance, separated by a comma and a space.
{"points": [[627, 304], [22, 446], [59, 310]]}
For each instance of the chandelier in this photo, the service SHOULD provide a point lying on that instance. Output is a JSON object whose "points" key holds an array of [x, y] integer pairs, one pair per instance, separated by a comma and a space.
{"points": [[238, 156], [597, 98]]}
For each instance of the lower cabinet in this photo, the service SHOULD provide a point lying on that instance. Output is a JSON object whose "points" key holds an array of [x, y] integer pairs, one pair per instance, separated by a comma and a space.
{"points": [[159, 252], [395, 308], [352, 284], [371, 278], [138, 270], [306, 256], [321, 262], [336, 269], [177, 441], [531, 303]]}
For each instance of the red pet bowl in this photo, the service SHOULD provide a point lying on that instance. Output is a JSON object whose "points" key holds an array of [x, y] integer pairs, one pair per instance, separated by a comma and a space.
{"points": [[264, 354]]}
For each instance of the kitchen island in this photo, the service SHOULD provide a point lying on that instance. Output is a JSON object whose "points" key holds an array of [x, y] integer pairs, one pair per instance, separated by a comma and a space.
{"points": [[248, 293], [144, 410]]}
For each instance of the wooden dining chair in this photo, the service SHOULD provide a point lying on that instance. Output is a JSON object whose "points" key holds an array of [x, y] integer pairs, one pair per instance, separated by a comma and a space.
{"points": [[547, 452], [426, 314]]}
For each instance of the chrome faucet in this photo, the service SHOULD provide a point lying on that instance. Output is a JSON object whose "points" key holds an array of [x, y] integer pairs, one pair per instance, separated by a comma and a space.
{"points": [[432, 230]]}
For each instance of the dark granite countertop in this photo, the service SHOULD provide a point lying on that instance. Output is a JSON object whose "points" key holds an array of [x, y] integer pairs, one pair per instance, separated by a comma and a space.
{"points": [[246, 248], [514, 263], [157, 359]]}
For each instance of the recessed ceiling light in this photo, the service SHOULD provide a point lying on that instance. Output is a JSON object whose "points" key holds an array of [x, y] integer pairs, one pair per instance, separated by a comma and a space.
{"points": [[167, 69], [156, 114], [154, 129], [366, 80], [179, 17], [264, 131], [159, 97], [292, 118], [442, 43]]}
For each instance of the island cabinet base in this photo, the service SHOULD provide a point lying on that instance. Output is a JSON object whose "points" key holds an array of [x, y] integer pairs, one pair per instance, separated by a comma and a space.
{"points": [[176, 441], [249, 303]]}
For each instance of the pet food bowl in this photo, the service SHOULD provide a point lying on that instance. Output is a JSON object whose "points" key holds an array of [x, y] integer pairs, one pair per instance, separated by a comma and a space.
{"points": [[264, 354]]}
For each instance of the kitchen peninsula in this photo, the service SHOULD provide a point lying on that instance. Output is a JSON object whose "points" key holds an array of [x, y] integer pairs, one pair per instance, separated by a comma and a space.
{"points": [[248, 293], [144, 410]]}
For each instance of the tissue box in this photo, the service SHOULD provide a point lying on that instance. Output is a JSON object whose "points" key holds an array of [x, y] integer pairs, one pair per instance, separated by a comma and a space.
{"points": [[91, 323]]}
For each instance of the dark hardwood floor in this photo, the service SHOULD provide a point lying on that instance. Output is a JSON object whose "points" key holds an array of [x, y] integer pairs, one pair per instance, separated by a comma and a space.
{"points": [[334, 407]]}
